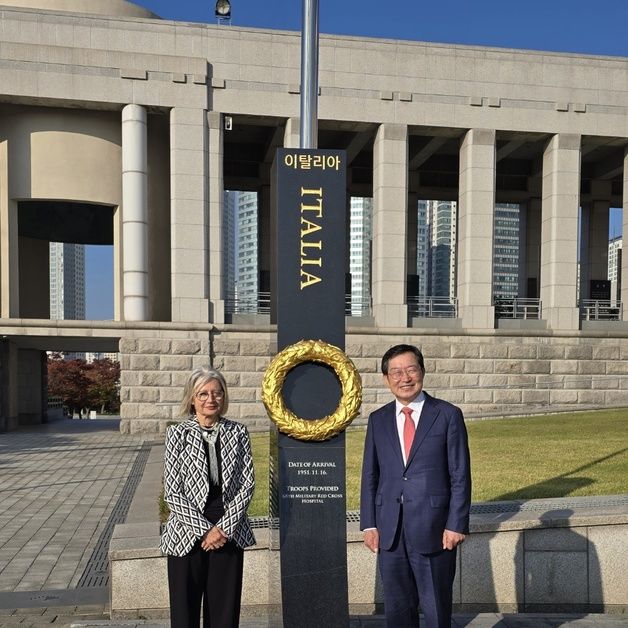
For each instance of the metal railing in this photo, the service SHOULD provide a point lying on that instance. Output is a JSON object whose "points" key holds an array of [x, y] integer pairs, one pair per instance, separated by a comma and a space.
{"points": [[358, 307], [433, 307], [601, 310], [517, 308], [260, 304], [248, 304], [55, 402]]}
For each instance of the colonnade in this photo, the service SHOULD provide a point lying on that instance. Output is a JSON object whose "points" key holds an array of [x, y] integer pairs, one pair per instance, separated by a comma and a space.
{"points": [[196, 170]]}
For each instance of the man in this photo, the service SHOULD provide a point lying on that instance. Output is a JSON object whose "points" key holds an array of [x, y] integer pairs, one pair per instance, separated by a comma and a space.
{"points": [[416, 493]]}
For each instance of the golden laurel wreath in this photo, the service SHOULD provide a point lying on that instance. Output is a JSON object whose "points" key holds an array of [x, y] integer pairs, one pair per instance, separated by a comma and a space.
{"points": [[317, 429]]}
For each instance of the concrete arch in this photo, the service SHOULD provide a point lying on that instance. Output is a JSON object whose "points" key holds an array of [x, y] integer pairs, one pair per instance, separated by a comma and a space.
{"points": [[55, 156], [66, 154], [60, 161]]}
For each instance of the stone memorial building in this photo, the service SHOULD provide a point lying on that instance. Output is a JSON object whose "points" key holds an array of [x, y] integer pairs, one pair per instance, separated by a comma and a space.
{"points": [[122, 129]]}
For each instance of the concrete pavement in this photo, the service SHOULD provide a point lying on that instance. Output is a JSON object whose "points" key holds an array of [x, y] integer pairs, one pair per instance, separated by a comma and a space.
{"points": [[478, 620], [63, 487], [93, 617]]}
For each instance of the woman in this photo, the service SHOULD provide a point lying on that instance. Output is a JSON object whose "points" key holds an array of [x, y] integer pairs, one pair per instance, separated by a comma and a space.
{"points": [[208, 484]]}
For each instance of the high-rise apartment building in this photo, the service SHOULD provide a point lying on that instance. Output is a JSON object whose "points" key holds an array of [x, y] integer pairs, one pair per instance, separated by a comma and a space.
{"points": [[91, 356], [360, 239], [436, 249], [67, 281], [506, 226], [422, 250], [246, 262], [241, 275], [229, 231], [441, 229], [615, 253]]}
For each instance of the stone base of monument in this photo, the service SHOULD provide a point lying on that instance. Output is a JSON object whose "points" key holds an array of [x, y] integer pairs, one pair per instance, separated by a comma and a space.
{"points": [[557, 555]]}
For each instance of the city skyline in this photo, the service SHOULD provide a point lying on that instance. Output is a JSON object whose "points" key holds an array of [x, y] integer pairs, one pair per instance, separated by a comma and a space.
{"points": [[99, 273]]}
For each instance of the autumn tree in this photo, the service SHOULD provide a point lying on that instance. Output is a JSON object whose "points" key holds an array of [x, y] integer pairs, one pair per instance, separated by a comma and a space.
{"points": [[67, 379], [81, 385], [104, 387]]}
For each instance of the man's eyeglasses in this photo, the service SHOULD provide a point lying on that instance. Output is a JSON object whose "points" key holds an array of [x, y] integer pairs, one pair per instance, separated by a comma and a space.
{"points": [[204, 395], [397, 374]]}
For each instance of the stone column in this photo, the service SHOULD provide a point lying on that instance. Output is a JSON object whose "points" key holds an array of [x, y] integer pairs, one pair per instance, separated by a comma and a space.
{"points": [[583, 253], [9, 243], [559, 231], [390, 205], [216, 207], [291, 135], [624, 232], [9, 382], [290, 140], [9, 256], [476, 208], [134, 214], [189, 229], [34, 264]]}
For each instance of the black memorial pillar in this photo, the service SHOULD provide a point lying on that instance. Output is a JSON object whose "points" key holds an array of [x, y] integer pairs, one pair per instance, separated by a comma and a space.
{"points": [[308, 488]]}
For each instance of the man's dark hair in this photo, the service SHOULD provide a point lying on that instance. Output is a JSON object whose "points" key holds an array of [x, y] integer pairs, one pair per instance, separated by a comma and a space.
{"points": [[393, 352]]}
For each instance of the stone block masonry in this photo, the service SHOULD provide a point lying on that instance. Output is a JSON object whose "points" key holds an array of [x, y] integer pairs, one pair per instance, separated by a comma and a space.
{"points": [[537, 556], [490, 374]]}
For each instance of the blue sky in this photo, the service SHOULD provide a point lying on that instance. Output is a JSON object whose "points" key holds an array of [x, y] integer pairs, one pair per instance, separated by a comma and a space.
{"points": [[563, 25], [577, 26]]}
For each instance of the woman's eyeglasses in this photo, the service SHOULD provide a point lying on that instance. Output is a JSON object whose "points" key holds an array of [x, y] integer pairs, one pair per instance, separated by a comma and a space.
{"points": [[204, 395]]}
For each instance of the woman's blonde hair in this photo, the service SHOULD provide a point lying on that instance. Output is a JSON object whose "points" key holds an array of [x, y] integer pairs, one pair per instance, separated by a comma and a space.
{"points": [[197, 379]]}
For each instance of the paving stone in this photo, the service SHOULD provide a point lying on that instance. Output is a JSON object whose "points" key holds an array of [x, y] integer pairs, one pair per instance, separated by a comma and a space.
{"points": [[53, 520], [87, 464]]}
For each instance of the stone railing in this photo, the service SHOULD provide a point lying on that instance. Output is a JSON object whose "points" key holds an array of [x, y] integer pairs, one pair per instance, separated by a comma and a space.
{"points": [[546, 555]]}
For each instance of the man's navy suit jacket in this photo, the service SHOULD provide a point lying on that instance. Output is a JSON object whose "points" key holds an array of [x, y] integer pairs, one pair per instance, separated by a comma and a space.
{"points": [[435, 485]]}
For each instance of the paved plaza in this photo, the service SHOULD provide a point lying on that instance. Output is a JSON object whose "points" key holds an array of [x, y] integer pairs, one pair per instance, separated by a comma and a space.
{"points": [[91, 617], [64, 485]]}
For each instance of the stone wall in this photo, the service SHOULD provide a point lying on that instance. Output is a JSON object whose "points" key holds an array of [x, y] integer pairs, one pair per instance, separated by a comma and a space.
{"points": [[545, 555], [493, 373]]}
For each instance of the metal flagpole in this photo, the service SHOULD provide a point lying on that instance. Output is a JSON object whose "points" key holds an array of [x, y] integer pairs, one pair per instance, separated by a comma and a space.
{"points": [[308, 469], [309, 76]]}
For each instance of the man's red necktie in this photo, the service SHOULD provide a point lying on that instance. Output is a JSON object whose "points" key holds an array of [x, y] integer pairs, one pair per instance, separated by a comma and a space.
{"points": [[408, 431]]}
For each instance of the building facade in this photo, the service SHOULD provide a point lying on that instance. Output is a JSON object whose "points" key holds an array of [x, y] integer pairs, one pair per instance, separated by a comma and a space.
{"points": [[615, 254], [229, 246], [246, 242], [67, 281], [506, 254], [113, 130], [360, 250], [442, 243]]}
